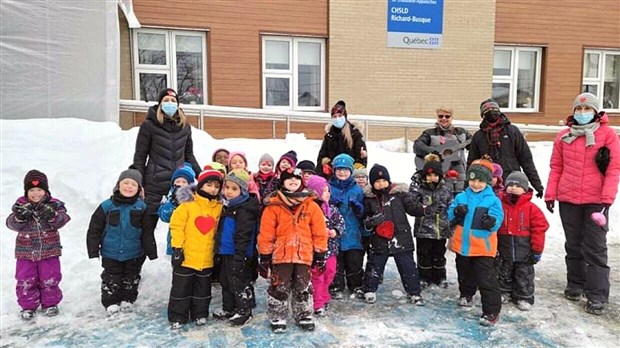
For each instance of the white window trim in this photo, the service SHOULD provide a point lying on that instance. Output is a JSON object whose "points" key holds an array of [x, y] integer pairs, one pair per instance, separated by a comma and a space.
{"points": [[291, 73], [512, 78], [600, 80], [170, 68]]}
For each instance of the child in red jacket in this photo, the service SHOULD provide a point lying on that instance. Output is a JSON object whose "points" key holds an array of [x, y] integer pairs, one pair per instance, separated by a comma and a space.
{"points": [[521, 240]]}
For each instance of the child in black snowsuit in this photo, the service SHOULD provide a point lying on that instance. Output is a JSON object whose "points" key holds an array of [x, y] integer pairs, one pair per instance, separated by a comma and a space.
{"points": [[386, 206], [235, 243], [433, 228], [121, 231]]}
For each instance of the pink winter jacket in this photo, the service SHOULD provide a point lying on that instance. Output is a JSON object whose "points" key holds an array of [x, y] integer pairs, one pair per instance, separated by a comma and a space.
{"points": [[574, 176]]}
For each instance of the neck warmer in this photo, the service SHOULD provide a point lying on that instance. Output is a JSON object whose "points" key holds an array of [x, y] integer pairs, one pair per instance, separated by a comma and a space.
{"points": [[577, 131]]}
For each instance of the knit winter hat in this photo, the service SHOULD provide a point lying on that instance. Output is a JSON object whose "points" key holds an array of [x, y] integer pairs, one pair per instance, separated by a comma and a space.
{"points": [[379, 172], [209, 174], [217, 166], [339, 108], [218, 151], [432, 167], [317, 184], [166, 92], [291, 157], [586, 99], [306, 166], [498, 172], [266, 158], [237, 153], [482, 170], [518, 179], [129, 174], [35, 178], [362, 171], [343, 161], [488, 105], [239, 177], [290, 173], [185, 171]]}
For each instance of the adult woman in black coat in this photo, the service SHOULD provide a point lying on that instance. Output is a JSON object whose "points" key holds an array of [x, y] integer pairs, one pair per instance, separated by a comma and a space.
{"points": [[342, 137], [164, 143]]}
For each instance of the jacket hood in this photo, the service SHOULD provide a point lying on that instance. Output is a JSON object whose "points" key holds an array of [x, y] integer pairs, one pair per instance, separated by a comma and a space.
{"points": [[394, 188], [526, 197]]}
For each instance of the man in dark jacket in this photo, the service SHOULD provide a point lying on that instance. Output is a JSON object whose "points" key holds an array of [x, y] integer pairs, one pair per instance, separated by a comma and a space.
{"points": [[450, 142], [504, 143]]}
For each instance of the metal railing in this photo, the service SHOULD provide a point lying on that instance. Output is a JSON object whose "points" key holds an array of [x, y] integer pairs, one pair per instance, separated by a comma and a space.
{"points": [[288, 116]]}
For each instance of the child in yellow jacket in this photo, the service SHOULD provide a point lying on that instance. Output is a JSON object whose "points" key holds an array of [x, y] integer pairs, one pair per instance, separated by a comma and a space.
{"points": [[192, 227]]}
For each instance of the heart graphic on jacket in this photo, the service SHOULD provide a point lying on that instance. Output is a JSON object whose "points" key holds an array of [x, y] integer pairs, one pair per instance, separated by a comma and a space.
{"points": [[205, 224]]}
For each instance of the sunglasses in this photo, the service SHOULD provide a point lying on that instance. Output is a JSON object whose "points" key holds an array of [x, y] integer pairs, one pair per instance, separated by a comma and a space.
{"points": [[444, 116]]}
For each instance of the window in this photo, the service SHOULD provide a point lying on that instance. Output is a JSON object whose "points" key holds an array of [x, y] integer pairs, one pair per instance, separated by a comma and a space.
{"points": [[516, 78], [293, 73], [601, 72], [169, 58]]}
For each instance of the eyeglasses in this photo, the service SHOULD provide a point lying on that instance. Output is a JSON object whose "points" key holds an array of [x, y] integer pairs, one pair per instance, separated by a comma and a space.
{"points": [[444, 116]]}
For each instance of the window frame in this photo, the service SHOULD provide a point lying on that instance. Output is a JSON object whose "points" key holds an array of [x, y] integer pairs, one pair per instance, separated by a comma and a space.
{"points": [[292, 73], [599, 81], [170, 69], [513, 78]]}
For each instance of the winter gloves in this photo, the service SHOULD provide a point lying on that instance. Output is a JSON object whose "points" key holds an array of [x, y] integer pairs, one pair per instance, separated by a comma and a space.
{"points": [[373, 221], [539, 194], [534, 257], [177, 257], [46, 212], [357, 207], [487, 222], [319, 262], [264, 265], [24, 212], [550, 206], [459, 213]]}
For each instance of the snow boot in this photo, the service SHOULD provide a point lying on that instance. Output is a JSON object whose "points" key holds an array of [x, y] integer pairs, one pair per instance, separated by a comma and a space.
{"points": [[466, 301], [524, 305], [573, 294], [112, 309], [489, 319], [306, 324], [175, 325], [320, 312], [278, 326], [417, 300], [51, 311], [239, 319], [126, 307], [505, 298], [443, 284], [423, 284], [370, 297], [27, 314], [201, 321], [596, 308], [221, 314]]}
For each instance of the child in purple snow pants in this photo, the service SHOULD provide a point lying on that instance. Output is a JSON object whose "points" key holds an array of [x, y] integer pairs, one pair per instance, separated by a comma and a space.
{"points": [[36, 217]]}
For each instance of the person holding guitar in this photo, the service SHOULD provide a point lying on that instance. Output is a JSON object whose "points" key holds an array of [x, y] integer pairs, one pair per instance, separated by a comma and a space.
{"points": [[449, 141]]}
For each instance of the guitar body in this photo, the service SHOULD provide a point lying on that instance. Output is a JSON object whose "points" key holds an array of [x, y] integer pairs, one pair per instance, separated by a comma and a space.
{"points": [[449, 151]]}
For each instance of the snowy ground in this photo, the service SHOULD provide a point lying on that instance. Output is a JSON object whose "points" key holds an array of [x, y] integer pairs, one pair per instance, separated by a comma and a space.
{"points": [[83, 159]]}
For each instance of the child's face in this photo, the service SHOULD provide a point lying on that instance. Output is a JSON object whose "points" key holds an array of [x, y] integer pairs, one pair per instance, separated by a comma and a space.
{"points": [[361, 180], [343, 173], [237, 162], [211, 187], [128, 187], [477, 185], [292, 184], [266, 167], [494, 181], [180, 182], [326, 194], [514, 189], [432, 177], [307, 175], [380, 184], [231, 190], [284, 165], [221, 157], [36, 194]]}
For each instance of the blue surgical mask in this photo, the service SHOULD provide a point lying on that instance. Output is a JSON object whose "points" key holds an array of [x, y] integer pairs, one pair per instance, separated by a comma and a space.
{"points": [[339, 122], [169, 109], [584, 117]]}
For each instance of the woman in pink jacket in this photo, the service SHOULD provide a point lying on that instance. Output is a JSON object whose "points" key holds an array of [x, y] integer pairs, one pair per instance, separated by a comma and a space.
{"points": [[584, 178]]}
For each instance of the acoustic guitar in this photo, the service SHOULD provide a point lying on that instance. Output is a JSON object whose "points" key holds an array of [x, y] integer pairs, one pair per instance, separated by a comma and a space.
{"points": [[449, 153]]}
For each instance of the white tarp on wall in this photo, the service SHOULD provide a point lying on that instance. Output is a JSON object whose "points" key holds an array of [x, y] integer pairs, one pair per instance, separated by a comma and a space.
{"points": [[59, 58]]}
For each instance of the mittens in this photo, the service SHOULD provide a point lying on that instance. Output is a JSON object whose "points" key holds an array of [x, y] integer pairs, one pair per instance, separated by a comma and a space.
{"points": [[487, 222], [264, 265], [23, 212], [374, 221], [460, 211], [550, 206], [319, 262], [46, 212], [177, 257]]}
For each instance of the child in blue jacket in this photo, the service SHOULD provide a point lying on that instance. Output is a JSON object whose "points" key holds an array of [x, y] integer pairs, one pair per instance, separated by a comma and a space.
{"points": [[349, 198], [121, 232], [181, 177]]}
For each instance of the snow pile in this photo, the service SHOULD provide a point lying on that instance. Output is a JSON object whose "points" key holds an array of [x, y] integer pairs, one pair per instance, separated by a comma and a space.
{"points": [[83, 159]]}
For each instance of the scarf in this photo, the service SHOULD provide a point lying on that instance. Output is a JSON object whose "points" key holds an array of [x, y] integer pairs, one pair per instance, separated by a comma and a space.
{"points": [[578, 130], [291, 201]]}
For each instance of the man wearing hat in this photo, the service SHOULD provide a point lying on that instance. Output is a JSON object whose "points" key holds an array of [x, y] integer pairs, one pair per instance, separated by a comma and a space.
{"points": [[504, 143]]}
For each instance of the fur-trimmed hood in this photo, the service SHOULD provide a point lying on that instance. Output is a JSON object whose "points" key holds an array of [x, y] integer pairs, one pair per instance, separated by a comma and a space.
{"points": [[394, 188]]}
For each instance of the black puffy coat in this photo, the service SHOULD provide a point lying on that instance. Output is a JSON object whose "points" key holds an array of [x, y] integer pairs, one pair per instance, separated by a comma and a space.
{"points": [[334, 144], [512, 154], [160, 149], [395, 205], [434, 224]]}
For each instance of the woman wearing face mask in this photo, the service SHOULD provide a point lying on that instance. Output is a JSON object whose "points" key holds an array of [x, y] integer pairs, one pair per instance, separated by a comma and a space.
{"points": [[164, 143], [504, 143], [584, 178], [342, 137]]}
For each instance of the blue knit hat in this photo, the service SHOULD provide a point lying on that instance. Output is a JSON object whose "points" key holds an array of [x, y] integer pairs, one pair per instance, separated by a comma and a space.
{"points": [[184, 171], [343, 161]]}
